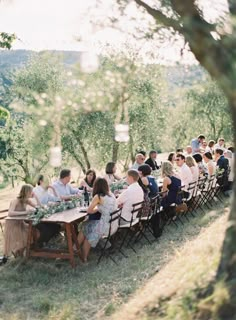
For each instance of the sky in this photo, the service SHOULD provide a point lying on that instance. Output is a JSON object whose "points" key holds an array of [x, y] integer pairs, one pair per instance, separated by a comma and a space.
{"points": [[57, 24]]}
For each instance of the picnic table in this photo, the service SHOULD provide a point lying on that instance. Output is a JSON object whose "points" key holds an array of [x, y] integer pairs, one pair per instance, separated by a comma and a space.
{"points": [[69, 218]]}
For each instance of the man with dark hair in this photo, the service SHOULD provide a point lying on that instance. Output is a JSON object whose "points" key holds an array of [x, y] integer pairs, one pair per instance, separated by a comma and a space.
{"points": [[196, 143], [133, 194], [62, 186], [151, 161], [185, 173], [223, 164]]}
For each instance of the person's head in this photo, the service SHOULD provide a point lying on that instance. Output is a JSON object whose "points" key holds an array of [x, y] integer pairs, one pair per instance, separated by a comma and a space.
{"points": [[167, 169], [111, 168], [219, 152], [228, 154], [201, 138], [221, 142], [90, 176], [197, 157], [190, 161], [139, 158], [132, 176], [180, 159], [65, 176], [171, 157], [153, 154], [231, 149], [207, 156], [144, 170], [189, 150], [42, 181], [204, 144], [142, 152], [179, 150], [26, 192], [211, 143], [100, 187]]}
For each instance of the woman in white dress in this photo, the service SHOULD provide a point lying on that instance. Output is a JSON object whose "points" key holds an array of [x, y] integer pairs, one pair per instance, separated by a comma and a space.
{"points": [[210, 164]]}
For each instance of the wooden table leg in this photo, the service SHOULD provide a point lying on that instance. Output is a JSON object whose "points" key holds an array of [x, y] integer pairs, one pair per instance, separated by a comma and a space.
{"points": [[30, 228], [70, 243]]}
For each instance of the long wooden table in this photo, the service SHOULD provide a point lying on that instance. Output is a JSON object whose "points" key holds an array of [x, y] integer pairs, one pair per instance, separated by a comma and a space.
{"points": [[69, 218]]}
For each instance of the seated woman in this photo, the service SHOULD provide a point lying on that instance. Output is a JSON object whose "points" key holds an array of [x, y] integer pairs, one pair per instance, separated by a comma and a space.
{"points": [[111, 173], [147, 180], [192, 164], [16, 232], [171, 185], [210, 164], [92, 231], [88, 180], [171, 157], [201, 166], [41, 191]]}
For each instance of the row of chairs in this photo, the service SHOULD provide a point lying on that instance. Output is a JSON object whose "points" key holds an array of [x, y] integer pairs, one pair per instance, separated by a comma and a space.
{"points": [[201, 194]]}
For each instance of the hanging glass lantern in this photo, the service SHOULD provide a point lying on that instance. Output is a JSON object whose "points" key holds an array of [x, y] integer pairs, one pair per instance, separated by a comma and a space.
{"points": [[55, 156], [122, 132], [89, 62]]}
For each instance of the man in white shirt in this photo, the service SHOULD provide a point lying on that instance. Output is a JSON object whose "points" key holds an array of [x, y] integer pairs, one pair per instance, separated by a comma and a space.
{"points": [[63, 188], [220, 144], [185, 173], [139, 160], [41, 191], [133, 194]]}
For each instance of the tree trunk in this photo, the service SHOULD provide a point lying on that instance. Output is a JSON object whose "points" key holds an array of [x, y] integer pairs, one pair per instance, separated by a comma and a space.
{"points": [[115, 149]]}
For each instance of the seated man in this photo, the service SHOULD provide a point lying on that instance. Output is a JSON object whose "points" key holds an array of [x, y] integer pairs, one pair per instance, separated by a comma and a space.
{"points": [[139, 160], [63, 188], [41, 191], [133, 194], [151, 161], [185, 173], [223, 164]]}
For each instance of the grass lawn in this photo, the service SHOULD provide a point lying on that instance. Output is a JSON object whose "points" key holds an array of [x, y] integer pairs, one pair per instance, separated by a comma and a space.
{"points": [[48, 289]]}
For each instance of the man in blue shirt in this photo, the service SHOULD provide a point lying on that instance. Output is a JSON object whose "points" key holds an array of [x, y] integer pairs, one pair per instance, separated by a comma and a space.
{"points": [[196, 143], [63, 188]]}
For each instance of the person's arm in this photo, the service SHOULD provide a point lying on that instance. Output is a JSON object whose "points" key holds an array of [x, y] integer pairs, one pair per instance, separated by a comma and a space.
{"points": [[93, 205], [166, 183], [54, 191], [145, 181], [117, 177], [37, 201], [73, 190], [122, 199], [210, 169]]}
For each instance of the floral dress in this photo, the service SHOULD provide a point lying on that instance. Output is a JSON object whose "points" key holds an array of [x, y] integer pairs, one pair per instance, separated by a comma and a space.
{"points": [[94, 230]]}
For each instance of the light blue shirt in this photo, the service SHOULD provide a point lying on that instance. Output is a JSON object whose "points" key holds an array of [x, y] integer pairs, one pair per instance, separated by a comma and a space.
{"points": [[64, 189], [195, 144], [44, 196]]}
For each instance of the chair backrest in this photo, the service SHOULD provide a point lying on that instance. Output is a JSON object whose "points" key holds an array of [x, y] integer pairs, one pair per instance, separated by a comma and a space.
{"points": [[114, 220], [210, 182], [136, 208], [192, 188], [201, 183]]}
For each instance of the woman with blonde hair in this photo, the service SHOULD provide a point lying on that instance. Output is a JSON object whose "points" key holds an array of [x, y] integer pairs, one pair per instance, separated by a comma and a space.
{"points": [[171, 185], [16, 232], [192, 164]]}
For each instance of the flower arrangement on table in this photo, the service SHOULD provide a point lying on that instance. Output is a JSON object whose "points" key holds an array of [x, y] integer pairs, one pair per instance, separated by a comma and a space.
{"points": [[219, 171], [45, 212], [119, 185]]}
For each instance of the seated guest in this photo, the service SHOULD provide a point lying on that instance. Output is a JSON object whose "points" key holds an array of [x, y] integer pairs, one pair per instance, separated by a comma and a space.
{"points": [[229, 155], [139, 160], [201, 166], [171, 158], [220, 144], [188, 151], [88, 181], [179, 150], [192, 164], [62, 187], [210, 164], [203, 147], [92, 231], [16, 232], [196, 143], [110, 175], [185, 173], [151, 161], [147, 180], [223, 164], [133, 194], [231, 149], [41, 191], [171, 185], [210, 147]]}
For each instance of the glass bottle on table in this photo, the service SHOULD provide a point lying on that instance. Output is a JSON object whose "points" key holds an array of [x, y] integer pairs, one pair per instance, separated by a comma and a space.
{"points": [[86, 197]]}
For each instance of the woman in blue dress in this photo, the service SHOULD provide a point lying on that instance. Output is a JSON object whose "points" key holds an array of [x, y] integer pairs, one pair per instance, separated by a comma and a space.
{"points": [[93, 230], [171, 185], [147, 180]]}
